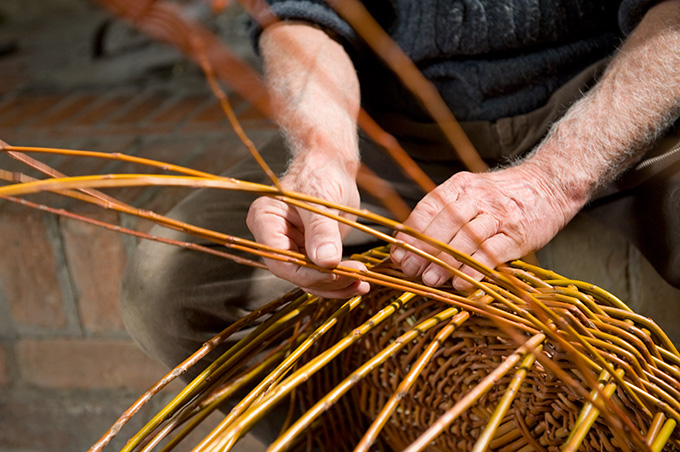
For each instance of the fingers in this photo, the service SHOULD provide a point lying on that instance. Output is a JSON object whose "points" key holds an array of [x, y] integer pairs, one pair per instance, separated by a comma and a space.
{"points": [[467, 240], [477, 215], [323, 240], [491, 253], [277, 225], [340, 286], [455, 220]]}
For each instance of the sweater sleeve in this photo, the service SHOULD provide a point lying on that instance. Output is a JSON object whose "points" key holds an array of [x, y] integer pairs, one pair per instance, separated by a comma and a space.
{"points": [[631, 13], [315, 12]]}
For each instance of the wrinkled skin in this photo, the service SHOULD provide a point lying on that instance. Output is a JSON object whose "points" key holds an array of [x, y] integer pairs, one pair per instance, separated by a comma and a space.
{"points": [[279, 225], [492, 217]]}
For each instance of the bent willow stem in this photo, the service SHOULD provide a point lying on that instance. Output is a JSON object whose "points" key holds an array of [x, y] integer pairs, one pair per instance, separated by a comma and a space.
{"points": [[531, 359]]}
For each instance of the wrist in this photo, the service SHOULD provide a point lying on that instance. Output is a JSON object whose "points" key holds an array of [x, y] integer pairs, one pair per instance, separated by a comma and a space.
{"points": [[312, 161], [566, 188]]}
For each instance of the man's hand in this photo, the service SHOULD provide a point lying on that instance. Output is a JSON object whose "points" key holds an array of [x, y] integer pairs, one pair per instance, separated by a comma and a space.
{"points": [[316, 97], [493, 217], [506, 214], [276, 224]]}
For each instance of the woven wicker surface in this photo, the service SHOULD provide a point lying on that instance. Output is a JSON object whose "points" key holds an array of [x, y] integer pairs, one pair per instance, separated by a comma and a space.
{"points": [[556, 365]]}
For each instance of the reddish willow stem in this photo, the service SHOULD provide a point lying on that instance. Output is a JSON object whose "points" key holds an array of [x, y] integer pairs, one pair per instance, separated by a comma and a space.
{"points": [[138, 234], [164, 22], [233, 242], [54, 182], [219, 93], [109, 181], [593, 351]]}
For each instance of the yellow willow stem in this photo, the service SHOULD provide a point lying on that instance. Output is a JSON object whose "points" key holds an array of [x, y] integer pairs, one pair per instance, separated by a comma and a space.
{"points": [[119, 180], [457, 318], [186, 364], [664, 435], [649, 325], [655, 427], [215, 400], [592, 351], [405, 386], [578, 359], [589, 413], [122, 180], [530, 346], [123, 157], [302, 374], [112, 156], [290, 360], [487, 435], [655, 401], [238, 350], [587, 303], [128, 180]]}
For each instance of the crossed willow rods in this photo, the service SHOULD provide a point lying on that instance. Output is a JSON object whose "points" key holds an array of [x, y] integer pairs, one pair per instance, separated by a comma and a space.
{"points": [[542, 308], [596, 330]]}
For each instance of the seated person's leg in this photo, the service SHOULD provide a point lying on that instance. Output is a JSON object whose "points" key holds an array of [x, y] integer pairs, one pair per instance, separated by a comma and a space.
{"points": [[174, 299]]}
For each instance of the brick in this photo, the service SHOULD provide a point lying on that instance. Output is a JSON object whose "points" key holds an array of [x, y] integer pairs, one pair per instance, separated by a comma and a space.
{"points": [[211, 113], [29, 108], [10, 104], [144, 105], [86, 364], [180, 110], [210, 117], [4, 367], [65, 112], [28, 272], [101, 110], [96, 259], [172, 149], [61, 421], [12, 75]]}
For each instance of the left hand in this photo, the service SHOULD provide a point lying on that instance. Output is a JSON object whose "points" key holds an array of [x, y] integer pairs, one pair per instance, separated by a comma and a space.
{"points": [[492, 217]]}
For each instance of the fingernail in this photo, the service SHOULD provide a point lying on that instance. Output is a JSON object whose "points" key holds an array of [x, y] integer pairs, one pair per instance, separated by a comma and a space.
{"points": [[462, 285], [410, 266], [326, 252], [432, 278], [398, 254]]}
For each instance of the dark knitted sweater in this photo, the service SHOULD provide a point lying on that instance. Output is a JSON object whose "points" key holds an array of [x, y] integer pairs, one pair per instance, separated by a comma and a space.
{"points": [[488, 58]]}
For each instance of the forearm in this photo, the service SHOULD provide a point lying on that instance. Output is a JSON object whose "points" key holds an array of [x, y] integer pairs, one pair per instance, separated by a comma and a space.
{"points": [[637, 98], [316, 94]]}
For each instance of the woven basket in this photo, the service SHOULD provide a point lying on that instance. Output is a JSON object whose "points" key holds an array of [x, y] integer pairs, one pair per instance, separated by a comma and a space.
{"points": [[544, 414], [532, 362]]}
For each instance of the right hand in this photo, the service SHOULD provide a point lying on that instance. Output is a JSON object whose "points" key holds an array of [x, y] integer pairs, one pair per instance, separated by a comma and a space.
{"points": [[279, 225]]}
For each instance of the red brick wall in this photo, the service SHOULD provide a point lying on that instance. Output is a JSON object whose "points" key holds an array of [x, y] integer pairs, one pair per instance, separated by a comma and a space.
{"points": [[67, 366]]}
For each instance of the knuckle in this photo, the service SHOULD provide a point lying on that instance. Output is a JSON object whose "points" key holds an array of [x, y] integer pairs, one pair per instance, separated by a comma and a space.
{"points": [[492, 250]]}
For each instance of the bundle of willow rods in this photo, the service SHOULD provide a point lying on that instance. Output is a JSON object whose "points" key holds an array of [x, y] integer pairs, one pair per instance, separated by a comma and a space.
{"points": [[530, 360]]}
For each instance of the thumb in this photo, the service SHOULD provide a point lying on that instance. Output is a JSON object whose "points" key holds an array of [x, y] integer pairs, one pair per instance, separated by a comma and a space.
{"points": [[323, 240]]}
